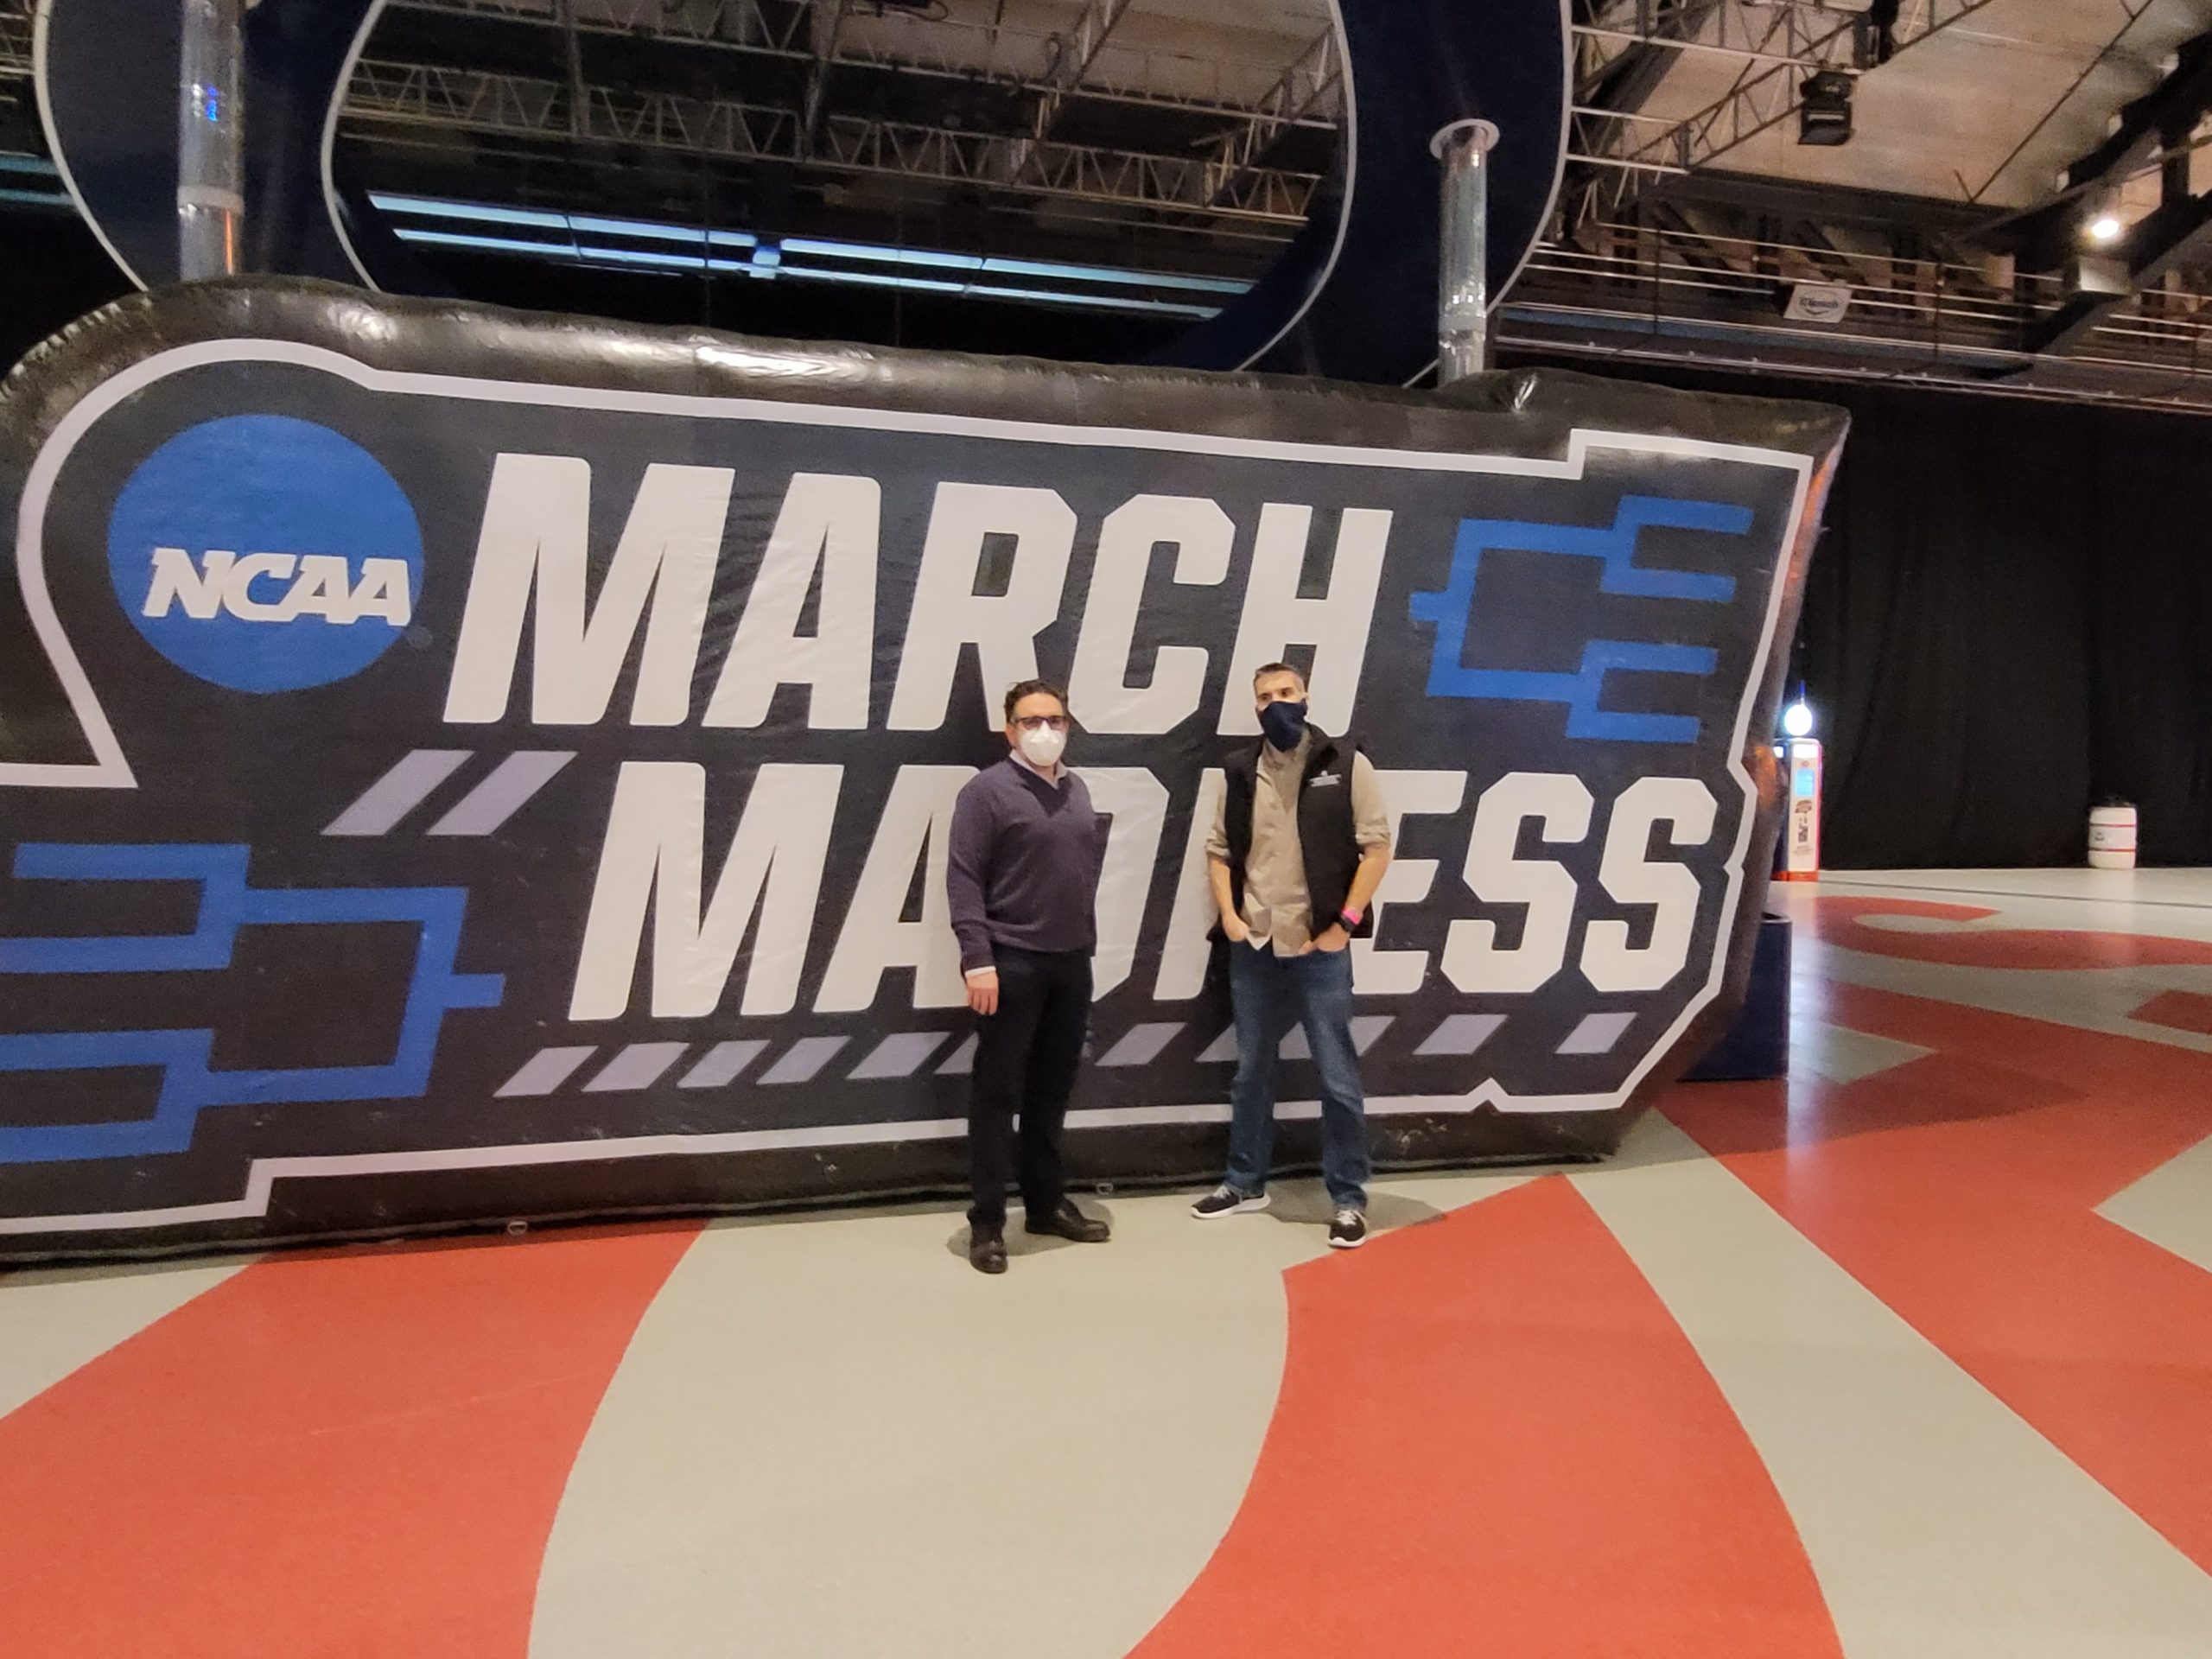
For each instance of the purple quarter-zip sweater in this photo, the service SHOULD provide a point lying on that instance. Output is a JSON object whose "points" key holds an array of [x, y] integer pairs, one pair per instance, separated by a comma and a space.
{"points": [[1023, 865]]}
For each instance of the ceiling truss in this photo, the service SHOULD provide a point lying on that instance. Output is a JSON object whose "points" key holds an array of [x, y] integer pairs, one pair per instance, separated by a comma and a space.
{"points": [[1778, 46], [387, 94], [1656, 243]]}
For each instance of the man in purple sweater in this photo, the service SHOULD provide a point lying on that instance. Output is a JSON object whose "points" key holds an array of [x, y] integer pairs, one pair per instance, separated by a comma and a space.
{"points": [[1022, 877]]}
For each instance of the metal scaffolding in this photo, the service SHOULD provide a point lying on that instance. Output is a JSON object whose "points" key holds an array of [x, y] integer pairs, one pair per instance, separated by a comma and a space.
{"points": [[1048, 65], [1305, 93], [403, 94], [1778, 46]]}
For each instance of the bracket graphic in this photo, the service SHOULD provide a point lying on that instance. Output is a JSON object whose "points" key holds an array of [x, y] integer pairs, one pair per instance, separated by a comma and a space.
{"points": [[226, 904], [1450, 611]]}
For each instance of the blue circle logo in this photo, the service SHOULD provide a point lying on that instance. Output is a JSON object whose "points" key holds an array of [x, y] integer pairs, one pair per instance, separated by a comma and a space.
{"points": [[265, 554]]}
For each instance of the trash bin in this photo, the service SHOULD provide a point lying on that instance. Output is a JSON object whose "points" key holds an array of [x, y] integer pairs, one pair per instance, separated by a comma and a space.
{"points": [[2112, 837]]}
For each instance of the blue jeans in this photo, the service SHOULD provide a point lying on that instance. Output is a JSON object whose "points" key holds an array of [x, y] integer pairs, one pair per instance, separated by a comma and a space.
{"points": [[1271, 994]]}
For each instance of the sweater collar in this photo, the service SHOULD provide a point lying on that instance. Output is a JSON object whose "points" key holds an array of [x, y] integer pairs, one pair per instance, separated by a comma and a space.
{"points": [[1057, 777]]}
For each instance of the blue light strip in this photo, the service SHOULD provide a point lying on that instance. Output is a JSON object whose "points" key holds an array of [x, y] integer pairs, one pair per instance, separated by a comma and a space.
{"points": [[674, 264], [995, 264], [481, 212], [30, 169], [770, 259], [931, 256]]}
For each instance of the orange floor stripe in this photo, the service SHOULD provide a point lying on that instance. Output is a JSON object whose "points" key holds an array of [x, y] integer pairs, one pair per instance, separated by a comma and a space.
{"points": [[350, 1455], [1843, 922], [2178, 1011], [1960, 1188], [1492, 1438]]}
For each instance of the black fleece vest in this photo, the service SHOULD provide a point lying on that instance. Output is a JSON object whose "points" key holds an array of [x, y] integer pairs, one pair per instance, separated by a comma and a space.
{"points": [[1327, 833]]}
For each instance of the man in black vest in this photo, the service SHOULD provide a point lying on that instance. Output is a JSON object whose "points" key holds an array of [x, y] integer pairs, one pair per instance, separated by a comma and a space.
{"points": [[1299, 846]]}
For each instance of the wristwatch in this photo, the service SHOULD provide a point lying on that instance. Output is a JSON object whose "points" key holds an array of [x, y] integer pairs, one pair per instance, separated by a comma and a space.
{"points": [[1352, 918]]}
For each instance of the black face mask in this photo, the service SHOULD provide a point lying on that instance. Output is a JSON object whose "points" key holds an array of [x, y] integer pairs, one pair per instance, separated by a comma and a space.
{"points": [[1284, 723]]}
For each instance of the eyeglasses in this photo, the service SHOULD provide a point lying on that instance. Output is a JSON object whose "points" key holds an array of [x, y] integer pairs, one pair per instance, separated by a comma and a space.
{"points": [[1043, 722]]}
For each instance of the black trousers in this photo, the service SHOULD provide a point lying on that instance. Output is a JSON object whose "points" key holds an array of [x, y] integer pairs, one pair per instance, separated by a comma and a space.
{"points": [[1027, 1057]]}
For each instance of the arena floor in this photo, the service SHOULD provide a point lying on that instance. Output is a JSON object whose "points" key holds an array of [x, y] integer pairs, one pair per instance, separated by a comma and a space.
{"points": [[1909, 1359]]}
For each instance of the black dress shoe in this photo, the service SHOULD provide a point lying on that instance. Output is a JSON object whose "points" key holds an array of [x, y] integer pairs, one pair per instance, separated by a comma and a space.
{"points": [[987, 1250], [1070, 1222]]}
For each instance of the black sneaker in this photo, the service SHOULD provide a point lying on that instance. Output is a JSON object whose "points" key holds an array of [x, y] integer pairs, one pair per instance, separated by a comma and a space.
{"points": [[1348, 1231], [1226, 1200]]}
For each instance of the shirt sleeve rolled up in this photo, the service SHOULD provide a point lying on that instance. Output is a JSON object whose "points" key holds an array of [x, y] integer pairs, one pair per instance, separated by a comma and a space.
{"points": [[1370, 817], [1217, 837]]}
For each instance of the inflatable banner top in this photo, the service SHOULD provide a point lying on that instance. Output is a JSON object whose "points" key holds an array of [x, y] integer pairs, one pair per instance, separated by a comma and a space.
{"points": [[458, 766]]}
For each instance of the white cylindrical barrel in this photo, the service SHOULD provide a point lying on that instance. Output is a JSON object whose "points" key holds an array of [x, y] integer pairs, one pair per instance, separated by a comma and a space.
{"points": [[2112, 837]]}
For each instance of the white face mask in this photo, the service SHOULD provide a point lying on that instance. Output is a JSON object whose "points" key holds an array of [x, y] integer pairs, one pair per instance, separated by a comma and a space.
{"points": [[1042, 749]]}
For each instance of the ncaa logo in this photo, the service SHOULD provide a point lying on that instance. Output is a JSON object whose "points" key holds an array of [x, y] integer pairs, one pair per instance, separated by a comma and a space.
{"points": [[265, 554]]}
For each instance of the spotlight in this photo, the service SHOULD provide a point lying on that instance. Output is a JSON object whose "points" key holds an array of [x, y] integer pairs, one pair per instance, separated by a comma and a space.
{"points": [[2104, 229], [1824, 109], [1798, 720]]}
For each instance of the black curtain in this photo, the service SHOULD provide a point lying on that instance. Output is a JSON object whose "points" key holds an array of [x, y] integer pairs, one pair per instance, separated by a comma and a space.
{"points": [[2009, 620], [2151, 651]]}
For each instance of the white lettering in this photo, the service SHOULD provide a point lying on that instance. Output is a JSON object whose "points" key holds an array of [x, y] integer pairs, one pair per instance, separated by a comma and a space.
{"points": [[1377, 972], [383, 591], [1185, 950], [950, 614], [176, 580], [1202, 537], [534, 541], [1561, 805], [325, 589], [322, 587], [1137, 802], [831, 522], [1686, 807], [238, 586], [1336, 624], [916, 823], [655, 856]]}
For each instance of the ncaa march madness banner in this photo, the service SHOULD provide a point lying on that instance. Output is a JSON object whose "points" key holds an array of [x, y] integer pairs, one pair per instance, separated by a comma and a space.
{"points": [[457, 765]]}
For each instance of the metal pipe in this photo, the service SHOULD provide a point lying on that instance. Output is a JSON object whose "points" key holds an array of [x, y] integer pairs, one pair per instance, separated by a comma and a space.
{"points": [[210, 140], [1463, 276], [578, 111]]}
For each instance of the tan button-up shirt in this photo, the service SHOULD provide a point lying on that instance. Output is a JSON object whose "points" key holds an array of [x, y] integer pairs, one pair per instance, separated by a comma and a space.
{"points": [[1276, 900]]}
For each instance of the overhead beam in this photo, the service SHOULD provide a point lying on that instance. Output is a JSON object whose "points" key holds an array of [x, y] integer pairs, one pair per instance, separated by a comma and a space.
{"points": [[1078, 50], [1626, 79], [950, 49], [825, 20], [2156, 125], [15, 29], [1610, 99], [2177, 235], [1764, 96], [2154, 128], [2162, 119], [386, 95], [1830, 203], [1313, 79], [1075, 51]]}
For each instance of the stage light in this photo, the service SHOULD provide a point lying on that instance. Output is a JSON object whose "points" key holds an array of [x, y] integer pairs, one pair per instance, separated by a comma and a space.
{"points": [[2104, 228], [1797, 719], [1824, 109]]}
